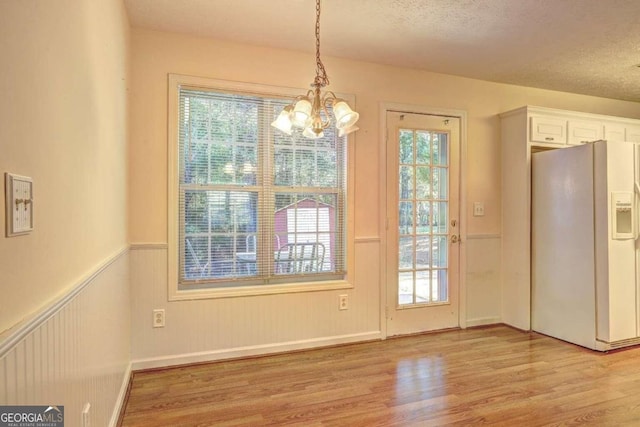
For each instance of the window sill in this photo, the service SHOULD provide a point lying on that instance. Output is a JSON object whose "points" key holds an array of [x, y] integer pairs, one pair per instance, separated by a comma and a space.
{"points": [[246, 291]]}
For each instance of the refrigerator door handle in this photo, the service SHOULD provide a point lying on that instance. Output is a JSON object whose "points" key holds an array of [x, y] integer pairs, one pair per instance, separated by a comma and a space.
{"points": [[636, 220], [636, 193]]}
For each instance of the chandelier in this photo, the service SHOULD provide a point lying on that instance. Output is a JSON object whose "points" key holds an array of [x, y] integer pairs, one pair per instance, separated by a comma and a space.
{"points": [[309, 112]]}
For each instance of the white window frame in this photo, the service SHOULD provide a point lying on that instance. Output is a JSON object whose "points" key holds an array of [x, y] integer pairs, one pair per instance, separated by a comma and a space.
{"points": [[175, 293]]}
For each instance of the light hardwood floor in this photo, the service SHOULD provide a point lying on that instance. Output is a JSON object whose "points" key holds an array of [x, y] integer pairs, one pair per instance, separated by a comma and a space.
{"points": [[492, 376]]}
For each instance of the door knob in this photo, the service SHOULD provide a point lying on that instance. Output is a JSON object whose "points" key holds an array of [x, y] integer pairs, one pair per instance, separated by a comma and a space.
{"points": [[455, 239]]}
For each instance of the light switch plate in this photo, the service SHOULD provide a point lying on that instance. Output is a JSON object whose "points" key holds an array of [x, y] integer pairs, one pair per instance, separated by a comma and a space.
{"points": [[478, 209], [18, 204]]}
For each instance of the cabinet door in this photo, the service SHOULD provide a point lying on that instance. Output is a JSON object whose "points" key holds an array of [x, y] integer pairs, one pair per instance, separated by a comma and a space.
{"points": [[633, 133], [614, 132], [582, 131], [549, 130]]}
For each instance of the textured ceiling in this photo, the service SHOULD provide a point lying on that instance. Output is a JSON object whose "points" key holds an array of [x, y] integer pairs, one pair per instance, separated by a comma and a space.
{"points": [[582, 46]]}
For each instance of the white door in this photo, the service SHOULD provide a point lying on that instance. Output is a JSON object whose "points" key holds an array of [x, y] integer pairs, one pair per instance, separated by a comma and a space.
{"points": [[423, 156]]}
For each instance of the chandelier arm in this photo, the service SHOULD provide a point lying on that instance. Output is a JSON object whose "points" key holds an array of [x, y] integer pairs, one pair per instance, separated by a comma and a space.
{"points": [[325, 100], [330, 96], [308, 95]]}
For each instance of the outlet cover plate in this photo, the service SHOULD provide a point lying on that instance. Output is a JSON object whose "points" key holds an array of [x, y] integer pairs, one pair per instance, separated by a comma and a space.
{"points": [[158, 318]]}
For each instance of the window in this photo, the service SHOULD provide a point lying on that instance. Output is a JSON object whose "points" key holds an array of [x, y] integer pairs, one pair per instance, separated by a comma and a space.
{"points": [[255, 207]]}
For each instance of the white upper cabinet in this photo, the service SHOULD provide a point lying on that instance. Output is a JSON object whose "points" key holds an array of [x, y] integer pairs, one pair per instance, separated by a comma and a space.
{"points": [[548, 130], [581, 132], [632, 133], [614, 132]]}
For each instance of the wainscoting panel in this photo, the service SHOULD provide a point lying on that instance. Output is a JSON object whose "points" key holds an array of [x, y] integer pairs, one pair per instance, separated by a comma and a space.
{"points": [[210, 329], [75, 352], [484, 301]]}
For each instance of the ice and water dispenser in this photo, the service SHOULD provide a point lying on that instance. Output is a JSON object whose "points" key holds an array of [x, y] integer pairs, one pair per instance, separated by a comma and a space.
{"points": [[622, 207]]}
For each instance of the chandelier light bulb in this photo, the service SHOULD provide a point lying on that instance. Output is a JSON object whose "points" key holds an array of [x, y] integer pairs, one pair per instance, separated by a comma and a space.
{"points": [[345, 116], [347, 130], [283, 122], [301, 113], [311, 134]]}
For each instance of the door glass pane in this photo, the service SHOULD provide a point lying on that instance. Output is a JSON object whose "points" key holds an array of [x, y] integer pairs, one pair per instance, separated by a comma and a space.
{"points": [[440, 149], [423, 252], [440, 245], [423, 147], [439, 286], [440, 184], [406, 253], [406, 182], [405, 288], [423, 286], [405, 216], [440, 225], [423, 182], [423, 217], [406, 147]]}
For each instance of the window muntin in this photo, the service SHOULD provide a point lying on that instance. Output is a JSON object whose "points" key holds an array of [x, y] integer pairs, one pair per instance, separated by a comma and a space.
{"points": [[256, 206]]}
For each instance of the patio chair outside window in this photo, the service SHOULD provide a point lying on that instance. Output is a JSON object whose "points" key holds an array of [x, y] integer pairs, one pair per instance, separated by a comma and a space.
{"points": [[306, 257], [195, 268]]}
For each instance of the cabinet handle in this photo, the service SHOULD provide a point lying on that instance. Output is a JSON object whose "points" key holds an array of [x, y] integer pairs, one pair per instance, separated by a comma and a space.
{"points": [[549, 138]]}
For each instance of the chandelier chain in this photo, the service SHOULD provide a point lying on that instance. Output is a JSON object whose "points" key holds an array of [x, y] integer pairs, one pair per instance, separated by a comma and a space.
{"points": [[321, 79]]}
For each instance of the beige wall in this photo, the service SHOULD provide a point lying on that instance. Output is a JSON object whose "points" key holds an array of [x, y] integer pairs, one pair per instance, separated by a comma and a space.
{"points": [[199, 330], [156, 54], [63, 82]]}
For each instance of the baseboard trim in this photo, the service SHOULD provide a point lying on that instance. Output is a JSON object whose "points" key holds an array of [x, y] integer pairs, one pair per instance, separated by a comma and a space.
{"points": [[239, 352], [483, 321], [121, 401]]}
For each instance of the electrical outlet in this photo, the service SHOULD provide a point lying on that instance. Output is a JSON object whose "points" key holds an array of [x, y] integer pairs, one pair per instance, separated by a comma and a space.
{"points": [[158, 318], [343, 302], [86, 420]]}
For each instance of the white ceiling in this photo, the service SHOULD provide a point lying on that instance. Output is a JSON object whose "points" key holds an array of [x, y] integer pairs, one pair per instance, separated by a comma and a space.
{"points": [[582, 46]]}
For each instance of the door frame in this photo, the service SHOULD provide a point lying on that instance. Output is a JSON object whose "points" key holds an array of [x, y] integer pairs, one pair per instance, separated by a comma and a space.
{"points": [[383, 220]]}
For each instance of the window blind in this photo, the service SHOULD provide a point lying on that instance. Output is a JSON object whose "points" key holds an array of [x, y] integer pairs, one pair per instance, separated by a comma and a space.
{"points": [[256, 206]]}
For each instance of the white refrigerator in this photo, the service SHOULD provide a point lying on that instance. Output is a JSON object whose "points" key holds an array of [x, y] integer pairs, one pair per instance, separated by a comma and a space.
{"points": [[585, 244]]}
